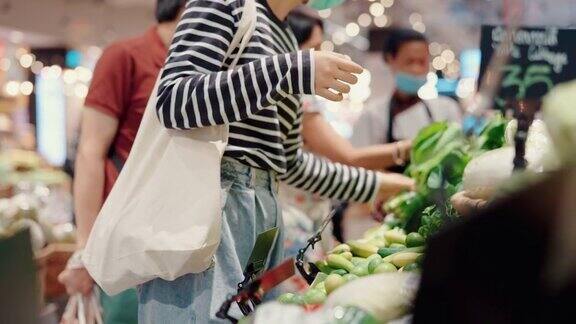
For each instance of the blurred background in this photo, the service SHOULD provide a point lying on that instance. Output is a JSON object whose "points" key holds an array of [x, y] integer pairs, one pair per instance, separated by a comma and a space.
{"points": [[48, 49]]}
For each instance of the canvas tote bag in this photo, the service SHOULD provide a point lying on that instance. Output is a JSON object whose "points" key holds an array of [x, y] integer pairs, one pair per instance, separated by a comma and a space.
{"points": [[163, 216]]}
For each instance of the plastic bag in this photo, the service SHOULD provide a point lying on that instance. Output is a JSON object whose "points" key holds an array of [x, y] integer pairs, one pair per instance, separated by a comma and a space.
{"points": [[82, 310]]}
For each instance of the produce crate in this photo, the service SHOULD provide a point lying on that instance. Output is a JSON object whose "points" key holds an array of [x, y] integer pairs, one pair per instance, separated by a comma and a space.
{"points": [[52, 260]]}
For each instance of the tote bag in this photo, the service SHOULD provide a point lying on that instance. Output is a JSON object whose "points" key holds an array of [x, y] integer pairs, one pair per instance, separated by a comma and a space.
{"points": [[162, 218]]}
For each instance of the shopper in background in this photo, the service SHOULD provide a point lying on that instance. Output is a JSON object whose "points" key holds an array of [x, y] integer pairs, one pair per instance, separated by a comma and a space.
{"points": [[401, 114], [300, 209], [123, 81], [260, 101]]}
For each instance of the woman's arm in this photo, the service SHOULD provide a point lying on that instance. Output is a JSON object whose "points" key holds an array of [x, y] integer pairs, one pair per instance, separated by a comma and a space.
{"points": [[194, 90], [320, 138]]}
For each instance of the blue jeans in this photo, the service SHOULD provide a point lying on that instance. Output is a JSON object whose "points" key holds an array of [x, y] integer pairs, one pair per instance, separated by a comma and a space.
{"points": [[250, 207]]}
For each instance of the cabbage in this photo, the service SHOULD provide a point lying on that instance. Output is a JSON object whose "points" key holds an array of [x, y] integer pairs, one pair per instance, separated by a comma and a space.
{"points": [[485, 174], [559, 115]]}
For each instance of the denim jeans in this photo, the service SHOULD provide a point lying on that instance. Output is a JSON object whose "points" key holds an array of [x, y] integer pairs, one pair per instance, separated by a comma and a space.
{"points": [[250, 207]]}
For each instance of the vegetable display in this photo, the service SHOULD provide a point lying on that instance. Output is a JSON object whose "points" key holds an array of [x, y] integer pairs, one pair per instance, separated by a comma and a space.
{"points": [[381, 250], [440, 155]]}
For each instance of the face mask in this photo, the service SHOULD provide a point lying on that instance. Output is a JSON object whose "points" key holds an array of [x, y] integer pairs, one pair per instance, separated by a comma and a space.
{"points": [[409, 84], [324, 4]]}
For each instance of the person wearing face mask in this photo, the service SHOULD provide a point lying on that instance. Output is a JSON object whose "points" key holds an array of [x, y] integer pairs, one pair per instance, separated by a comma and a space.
{"points": [[402, 114], [260, 102], [396, 117]]}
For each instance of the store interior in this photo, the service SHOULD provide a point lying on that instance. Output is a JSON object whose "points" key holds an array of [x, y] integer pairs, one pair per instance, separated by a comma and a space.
{"points": [[48, 52]]}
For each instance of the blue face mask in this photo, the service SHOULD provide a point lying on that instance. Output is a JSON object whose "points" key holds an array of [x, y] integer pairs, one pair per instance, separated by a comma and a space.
{"points": [[409, 84], [324, 4]]}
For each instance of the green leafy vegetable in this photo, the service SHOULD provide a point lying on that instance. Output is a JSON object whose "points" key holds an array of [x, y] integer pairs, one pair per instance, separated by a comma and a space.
{"points": [[492, 136], [433, 220], [405, 205]]}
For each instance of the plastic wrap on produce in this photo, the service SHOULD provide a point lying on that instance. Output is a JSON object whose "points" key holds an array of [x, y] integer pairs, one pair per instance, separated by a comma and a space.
{"points": [[373, 299], [385, 296]]}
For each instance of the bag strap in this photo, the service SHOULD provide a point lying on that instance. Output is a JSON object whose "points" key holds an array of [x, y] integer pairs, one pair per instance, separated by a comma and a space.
{"points": [[246, 27]]}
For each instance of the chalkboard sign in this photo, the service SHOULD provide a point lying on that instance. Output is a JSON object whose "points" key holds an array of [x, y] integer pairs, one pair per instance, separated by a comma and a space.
{"points": [[540, 58]]}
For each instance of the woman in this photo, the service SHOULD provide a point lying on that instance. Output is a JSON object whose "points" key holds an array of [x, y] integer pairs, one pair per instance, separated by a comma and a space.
{"points": [[401, 114], [301, 209], [260, 102]]}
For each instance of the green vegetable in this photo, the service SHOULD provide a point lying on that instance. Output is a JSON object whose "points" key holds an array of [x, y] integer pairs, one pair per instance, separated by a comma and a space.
{"points": [[373, 264], [324, 267], [320, 277], [349, 277], [414, 239], [361, 270], [384, 252], [433, 220], [450, 158], [333, 282], [411, 267], [394, 222], [385, 267], [395, 236], [287, 298], [321, 286], [492, 135], [417, 249], [340, 249], [373, 256], [375, 232], [452, 134], [362, 249], [397, 246], [314, 296], [347, 255], [405, 205], [337, 261], [404, 258], [339, 272], [379, 243], [425, 142], [357, 260], [298, 300]]}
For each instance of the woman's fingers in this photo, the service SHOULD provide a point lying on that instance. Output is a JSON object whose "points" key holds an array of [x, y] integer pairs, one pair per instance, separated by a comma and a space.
{"points": [[346, 77], [339, 86], [330, 95], [349, 66]]}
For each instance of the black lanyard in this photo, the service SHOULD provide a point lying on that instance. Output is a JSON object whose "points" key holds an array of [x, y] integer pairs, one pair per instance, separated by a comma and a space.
{"points": [[392, 107]]}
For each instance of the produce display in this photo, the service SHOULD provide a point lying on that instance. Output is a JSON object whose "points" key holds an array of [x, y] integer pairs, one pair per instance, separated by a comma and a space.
{"points": [[440, 155], [381, 250], [26, 211], [38, 199], [17, 166]]}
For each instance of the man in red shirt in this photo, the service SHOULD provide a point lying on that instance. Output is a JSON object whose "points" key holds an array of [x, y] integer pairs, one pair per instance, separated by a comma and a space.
{"points": [[123, 81]]}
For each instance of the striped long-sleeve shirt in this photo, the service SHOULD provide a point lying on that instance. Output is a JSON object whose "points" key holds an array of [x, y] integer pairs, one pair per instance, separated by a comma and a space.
{"points": [[259, 99]]}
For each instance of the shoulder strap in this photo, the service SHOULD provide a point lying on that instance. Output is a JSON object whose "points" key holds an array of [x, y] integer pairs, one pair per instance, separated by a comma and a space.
{"points": [[245, 30], [428, 111]]}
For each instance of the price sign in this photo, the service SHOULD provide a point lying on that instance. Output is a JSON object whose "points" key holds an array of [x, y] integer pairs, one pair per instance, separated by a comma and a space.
{"points": [[539, 59]]}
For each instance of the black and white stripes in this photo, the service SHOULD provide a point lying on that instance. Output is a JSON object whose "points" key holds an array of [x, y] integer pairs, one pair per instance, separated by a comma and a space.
{"points": [[260, 99]]}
